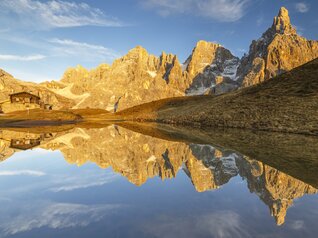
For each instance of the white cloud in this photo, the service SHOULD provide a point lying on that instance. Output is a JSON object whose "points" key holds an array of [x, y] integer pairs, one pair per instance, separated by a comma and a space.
{"points": [[300, 30], [260, 21], [22, 58], [224, 224], [55, 216], [302, 7], [297, 225], [82, 49], [219, 224], [220, 10], [241, 50], [22, 172], [83, 181], [55, 14]]}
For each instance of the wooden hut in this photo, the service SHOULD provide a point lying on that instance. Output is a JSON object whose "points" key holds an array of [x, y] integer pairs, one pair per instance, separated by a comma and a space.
{"points": [[24, 97]]}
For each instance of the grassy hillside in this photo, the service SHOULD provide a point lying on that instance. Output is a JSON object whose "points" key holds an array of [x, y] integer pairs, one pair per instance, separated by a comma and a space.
{"points": [[287, 103]]}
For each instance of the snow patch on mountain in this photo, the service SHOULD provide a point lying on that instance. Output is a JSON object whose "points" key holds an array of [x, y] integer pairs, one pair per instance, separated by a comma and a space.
{"points": [[199, 91], [153, 74], [230, 69]]}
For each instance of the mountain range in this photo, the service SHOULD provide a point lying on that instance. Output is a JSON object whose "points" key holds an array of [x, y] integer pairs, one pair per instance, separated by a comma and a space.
{"points": [[140, 77]]}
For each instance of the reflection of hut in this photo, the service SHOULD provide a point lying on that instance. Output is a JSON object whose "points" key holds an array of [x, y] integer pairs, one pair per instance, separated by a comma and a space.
{"points": [[24, 97], [28, 141], [24, 144]]}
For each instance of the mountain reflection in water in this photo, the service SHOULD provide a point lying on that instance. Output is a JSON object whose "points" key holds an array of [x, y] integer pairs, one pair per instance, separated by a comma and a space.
{"points": [[277, 168]]}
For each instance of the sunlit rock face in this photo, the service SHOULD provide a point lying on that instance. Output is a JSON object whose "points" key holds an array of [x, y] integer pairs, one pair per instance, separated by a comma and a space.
{"points": [[276, 189], [210, 64], [135, 78], [279, 49], [140, 77]]}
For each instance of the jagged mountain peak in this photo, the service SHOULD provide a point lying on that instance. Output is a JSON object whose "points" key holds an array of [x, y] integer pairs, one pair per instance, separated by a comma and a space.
{"points": [[137, 55], [283, 12], [282, 24], [138, 50], [204, 44], [279, 49], [203, 54]]}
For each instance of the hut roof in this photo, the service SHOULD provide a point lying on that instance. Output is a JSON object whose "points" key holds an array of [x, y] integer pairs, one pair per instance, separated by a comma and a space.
{"points": [[16, 94]]}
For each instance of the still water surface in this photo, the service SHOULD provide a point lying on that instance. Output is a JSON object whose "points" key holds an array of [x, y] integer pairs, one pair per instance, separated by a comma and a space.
{"points": [[116, 182]]}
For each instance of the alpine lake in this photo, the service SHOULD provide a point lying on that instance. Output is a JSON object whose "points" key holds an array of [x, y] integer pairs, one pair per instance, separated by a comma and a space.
{"points": [[152, 180]]}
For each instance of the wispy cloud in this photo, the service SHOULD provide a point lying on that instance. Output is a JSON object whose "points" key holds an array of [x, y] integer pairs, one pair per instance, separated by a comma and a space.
{"points": [[241, 50], [260, 20], [82, 182], [56, 216], [55, 14], [220, 10], [89, 51], [220, 224], [4, 30], [22, 57], [302, 7], [300, 30], [297, 225], [22, 172]]}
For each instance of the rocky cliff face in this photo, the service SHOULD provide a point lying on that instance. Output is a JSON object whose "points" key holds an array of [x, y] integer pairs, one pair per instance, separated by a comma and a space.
{"points": [[209, 65], [279, 49], [136, 78], [140, 77]]}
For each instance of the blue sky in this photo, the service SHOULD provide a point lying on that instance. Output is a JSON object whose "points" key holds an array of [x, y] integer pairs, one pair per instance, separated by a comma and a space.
{"points": [[39, 39]]}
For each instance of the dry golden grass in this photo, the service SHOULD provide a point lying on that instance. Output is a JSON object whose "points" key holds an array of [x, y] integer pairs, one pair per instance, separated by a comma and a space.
{"points": [[38, 117]]}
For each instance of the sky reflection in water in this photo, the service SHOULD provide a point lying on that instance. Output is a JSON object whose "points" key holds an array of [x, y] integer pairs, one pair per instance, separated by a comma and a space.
{"points": [[113, 182]]}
